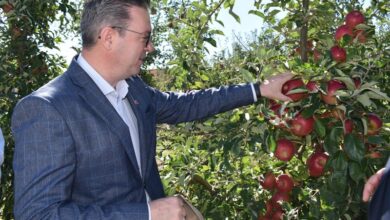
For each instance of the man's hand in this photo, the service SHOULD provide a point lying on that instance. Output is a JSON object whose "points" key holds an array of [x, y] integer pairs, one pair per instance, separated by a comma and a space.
{"points": [[372, 184], [170, 208], [272, 87]]}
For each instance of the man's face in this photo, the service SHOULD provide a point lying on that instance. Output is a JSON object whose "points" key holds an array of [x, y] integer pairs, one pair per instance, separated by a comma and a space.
{"points": [[131, 49]]}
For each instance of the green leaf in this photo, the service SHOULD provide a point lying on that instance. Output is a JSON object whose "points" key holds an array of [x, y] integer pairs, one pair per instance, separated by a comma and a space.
{"points": [[338, 161], [258, 13], [353, 147], [235, 16], [380, 94], [364, 99], [273, 13], [362, 27], [331, 143], [368, 85], [247, 75], [210, 41], [376, 140], [320, 128], [271, 143], [219, 32], [338, 181], [294, 91], [308, 112], [356, 172], [365, 127], [341, 73]]}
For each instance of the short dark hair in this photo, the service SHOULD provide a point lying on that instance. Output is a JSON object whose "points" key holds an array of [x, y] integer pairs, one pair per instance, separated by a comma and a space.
{"points": [[99, 13]]}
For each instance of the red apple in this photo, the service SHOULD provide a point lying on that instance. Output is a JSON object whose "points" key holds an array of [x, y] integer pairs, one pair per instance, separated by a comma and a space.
{"points": [[357, 81], [301, 126], [269, 206], [268, 182], [280, 197], [348, 126], [312, 86], [276, 109], [278, 215], [7, 7], [338, 54], [291, 85], [285, 150], [354, 18], [309, 47], [284, 183], [316, 55], [342, 31], [316, 163], [374, 124], [332, 87], [264, 217], [374, 155], [16, 32], [274, 206]]}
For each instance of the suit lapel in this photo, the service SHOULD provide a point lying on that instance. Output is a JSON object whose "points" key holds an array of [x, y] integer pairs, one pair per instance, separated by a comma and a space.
{"points": [[92, 95], [139, 107]]}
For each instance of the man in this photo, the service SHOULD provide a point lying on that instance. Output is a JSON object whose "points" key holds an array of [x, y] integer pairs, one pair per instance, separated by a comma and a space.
{"points": [[378, 187], [85, 142]]}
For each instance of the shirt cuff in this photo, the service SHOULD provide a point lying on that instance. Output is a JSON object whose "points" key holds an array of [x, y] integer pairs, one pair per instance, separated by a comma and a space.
{"points": [[254, 92], [149, 213]]}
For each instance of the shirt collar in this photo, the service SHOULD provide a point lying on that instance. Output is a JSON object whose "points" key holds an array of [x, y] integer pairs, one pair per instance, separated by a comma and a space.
{"points": [[121, 87]]}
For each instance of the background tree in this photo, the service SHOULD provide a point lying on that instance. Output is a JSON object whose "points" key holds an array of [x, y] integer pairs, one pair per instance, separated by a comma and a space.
{"points": [[29, 30]]}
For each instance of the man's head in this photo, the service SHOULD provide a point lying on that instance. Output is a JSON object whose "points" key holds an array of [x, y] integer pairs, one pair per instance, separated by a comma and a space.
{"points": [[100, 13], [116, 37]]}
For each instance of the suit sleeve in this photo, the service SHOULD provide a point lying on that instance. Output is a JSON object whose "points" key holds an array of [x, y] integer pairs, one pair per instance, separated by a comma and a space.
{"points": [[44, 168], [194, 105]]}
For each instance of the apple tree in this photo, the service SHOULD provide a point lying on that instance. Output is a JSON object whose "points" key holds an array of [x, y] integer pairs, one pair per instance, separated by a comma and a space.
{"points": [[29, 30], [328, 140]]}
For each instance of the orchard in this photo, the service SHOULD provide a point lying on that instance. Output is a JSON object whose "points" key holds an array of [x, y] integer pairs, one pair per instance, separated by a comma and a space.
{"points": [[333, 120], [304, 159]]}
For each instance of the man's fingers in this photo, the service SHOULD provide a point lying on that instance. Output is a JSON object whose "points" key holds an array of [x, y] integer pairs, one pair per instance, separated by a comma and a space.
{"points": [[368, 188], [371, 185]]}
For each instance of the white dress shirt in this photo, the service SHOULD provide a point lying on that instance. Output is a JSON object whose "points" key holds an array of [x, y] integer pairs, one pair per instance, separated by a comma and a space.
{"points": [[117, 97]]}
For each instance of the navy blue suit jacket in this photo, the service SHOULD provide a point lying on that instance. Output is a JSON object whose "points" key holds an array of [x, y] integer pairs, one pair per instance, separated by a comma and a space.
{"points": [[74, 157], [379, 208]]}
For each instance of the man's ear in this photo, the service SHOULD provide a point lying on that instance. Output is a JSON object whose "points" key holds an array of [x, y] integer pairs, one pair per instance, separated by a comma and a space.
{"points": [[107, 35]]}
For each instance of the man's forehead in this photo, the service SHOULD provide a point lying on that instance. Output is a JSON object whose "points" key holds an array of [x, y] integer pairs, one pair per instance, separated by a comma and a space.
{"points": [[139, 15]]}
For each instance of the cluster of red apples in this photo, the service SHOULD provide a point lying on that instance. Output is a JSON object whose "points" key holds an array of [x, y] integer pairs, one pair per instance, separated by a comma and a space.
{"points": [[284, 117], [349, 30], [301, 126], [281, 187]]}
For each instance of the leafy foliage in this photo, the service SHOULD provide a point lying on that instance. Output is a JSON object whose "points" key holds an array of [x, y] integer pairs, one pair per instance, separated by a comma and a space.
{"points": [[27, 34], [241, 142]]}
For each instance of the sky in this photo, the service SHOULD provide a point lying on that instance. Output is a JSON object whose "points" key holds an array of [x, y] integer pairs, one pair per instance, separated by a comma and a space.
{"points": [[248, 23]]}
